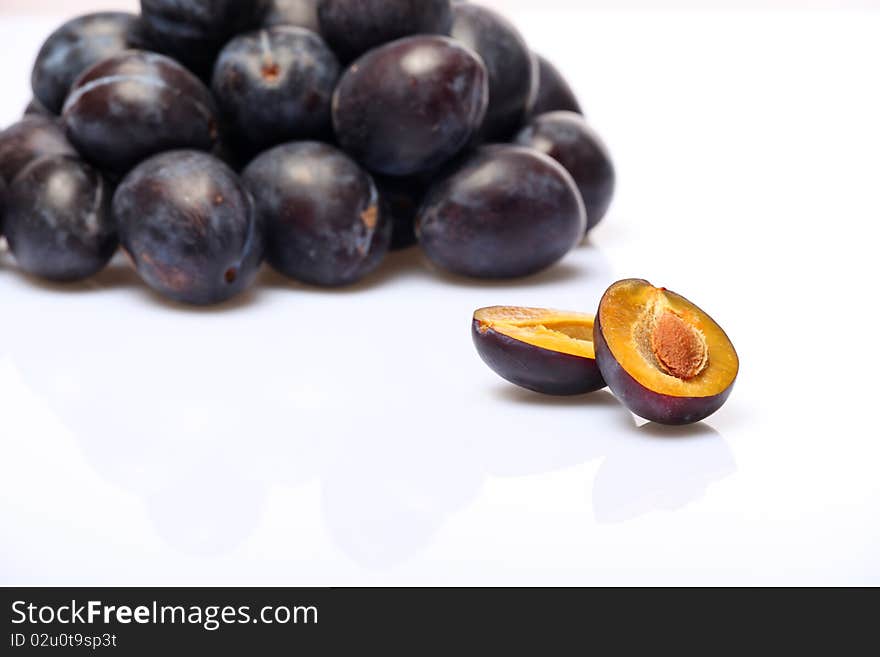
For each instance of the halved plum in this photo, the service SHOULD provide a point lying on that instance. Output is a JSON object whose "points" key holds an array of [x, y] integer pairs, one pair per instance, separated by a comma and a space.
{"points": [[546, 351], [662, 356]]}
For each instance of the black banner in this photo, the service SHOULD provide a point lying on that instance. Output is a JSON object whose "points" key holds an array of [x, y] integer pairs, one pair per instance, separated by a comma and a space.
{"points": [[415, 621]]}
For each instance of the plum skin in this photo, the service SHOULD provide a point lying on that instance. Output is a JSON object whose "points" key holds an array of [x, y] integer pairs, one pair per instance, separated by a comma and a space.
{"points": [[647, 404], [29, 139], [73, 48], [321, 213], [506, 212], [58, 222], [190, 227], [135, 105], [535, 368], [410, 106], [567, 138], [194, 31], [512, 67], [352, 27], [275, 86], [554, 93]]}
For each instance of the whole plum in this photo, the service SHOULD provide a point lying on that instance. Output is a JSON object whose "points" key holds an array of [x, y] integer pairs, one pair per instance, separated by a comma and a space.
{"points": [[275, 86], [411, 105], [29, 139], [135, 105], [507, 212], [324, 224], [567, 138], [74, 47], [513, 68], [58, 222], [189, 226], [194, 31], [352, 27]]}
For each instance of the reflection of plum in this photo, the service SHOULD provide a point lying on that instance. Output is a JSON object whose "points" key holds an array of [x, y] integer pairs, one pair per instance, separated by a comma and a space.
{"points": [[209, 517], [179, 437], [662, 468], [384, 498], [539, 447]]}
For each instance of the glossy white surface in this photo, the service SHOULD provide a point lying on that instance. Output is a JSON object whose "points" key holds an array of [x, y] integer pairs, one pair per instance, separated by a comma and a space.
{"points": [[302, 437]]}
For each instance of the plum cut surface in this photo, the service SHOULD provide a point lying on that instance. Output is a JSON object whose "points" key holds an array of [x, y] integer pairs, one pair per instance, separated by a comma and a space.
{"points": [[546, 351], [664, 357]]}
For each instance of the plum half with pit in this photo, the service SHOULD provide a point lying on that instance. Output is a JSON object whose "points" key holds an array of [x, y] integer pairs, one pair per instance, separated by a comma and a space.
{"points": [[546, 351], [506, 212], [138, 104], [410, 106], [554, 93], [321, 212], [190, 228], [58, 223], [512, 66], [352, 27], [274, 86], [31, 138], [74, 47], [567, 138], [662, 356]]}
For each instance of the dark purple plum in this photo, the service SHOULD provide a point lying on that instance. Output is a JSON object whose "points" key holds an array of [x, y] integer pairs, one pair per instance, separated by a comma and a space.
{"points": [[402, 198], [507, 212], [411, 105], [194, 31], [36, 108], [135, 105], [275, 86], [513, 68], [74, 47], [567, 138], [58, 223], [321, 213], [29, 139], [554, 93], [352, 27], [299, 13], [190, 227]]}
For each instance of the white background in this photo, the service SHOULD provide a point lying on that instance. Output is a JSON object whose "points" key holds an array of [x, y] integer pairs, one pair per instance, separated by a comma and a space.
{"points": [[304, 437]]}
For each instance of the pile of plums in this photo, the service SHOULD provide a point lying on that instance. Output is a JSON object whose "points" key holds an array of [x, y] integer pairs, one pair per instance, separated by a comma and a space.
{"points": [[206, 136]]}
